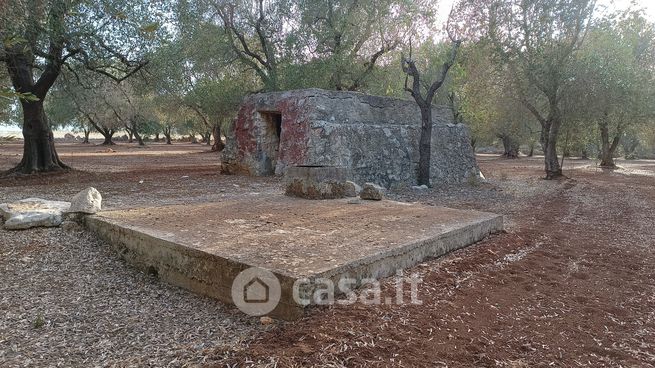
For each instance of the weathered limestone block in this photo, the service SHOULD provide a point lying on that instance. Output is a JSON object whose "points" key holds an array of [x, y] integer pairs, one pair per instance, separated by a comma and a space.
{"points": [[372, 192], [33, 212], [87, 201], [313, 182], [352, 189]]}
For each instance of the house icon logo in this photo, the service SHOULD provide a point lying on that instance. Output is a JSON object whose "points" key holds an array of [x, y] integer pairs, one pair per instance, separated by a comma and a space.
{"points": [[256, 291]]}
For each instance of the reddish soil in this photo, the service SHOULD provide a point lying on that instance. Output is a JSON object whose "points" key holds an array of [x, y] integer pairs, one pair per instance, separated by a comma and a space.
{"points": [[571, 283]]}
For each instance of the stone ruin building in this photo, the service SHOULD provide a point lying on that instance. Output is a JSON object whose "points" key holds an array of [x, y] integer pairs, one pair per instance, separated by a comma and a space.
{"points": [[374, 138]]}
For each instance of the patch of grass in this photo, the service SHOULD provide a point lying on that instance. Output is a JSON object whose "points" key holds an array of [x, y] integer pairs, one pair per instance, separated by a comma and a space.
{"points": [[39, 322]]}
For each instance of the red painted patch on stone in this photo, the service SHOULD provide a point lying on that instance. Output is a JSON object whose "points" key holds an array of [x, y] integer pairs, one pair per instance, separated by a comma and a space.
{"points": [[244, 126], [295, 133]]}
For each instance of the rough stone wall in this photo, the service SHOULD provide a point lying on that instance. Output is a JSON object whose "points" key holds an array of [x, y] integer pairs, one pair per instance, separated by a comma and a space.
{"points": [[376, 137]]}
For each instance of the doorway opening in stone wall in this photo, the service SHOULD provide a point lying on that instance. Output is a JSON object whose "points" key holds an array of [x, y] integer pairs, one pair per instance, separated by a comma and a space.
{"points": [[273, 135]]}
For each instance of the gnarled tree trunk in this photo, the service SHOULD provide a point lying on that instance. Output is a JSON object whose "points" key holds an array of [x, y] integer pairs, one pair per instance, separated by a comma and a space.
{"points": [[86, 136], [130, 134], [107, 133], [424, 146], [608, 148], [167, 133], [552, 165], [510, 146], [138, 137], [39, 154]]}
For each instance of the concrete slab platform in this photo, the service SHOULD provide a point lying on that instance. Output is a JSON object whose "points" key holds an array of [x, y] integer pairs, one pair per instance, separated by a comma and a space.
{"points": [[204, 247]]}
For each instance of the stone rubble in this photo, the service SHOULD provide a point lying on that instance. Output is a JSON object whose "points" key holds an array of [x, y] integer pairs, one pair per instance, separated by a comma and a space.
{"points": [[352, 189], [33, 212], [38, 212], [372, 192]]}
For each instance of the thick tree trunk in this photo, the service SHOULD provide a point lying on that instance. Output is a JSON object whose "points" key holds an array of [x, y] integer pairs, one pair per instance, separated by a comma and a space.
{"points": [[608, 148], [108, 139], [86, 136], [425, 146], [218, 143], [132, 131], [167, 134], [106, 133], [510, 146], [138, 137], [206, 138], [552, 166], [39, 154]]}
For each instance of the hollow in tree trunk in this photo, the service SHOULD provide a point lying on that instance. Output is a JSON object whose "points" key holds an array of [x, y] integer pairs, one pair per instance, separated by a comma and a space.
{"points": [[39, 154]]}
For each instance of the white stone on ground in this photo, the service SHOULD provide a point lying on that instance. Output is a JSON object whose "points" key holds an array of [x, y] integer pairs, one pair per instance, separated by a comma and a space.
{"points": [[87, 201], [372, 192], [33, 212]]}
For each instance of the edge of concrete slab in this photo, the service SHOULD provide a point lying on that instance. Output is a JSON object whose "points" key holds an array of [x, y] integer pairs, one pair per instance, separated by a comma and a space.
{"points": [[212, 275], [189, 268], [385, 263]]}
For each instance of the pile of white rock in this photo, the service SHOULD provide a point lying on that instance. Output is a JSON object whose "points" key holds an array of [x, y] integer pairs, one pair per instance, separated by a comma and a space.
{"points": [[35, 212]]}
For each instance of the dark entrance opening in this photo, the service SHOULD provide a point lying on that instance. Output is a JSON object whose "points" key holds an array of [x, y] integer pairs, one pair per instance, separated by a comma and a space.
{"points": [[276, 120], [273, 134]]}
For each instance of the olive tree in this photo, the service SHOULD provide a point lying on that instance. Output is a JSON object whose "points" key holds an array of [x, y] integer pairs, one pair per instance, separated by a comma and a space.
{"points": [[537, 41], [39, 38]]}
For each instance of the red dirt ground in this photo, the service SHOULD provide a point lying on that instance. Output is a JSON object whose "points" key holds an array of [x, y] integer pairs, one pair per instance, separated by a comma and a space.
{"points": [[570, 284]]}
